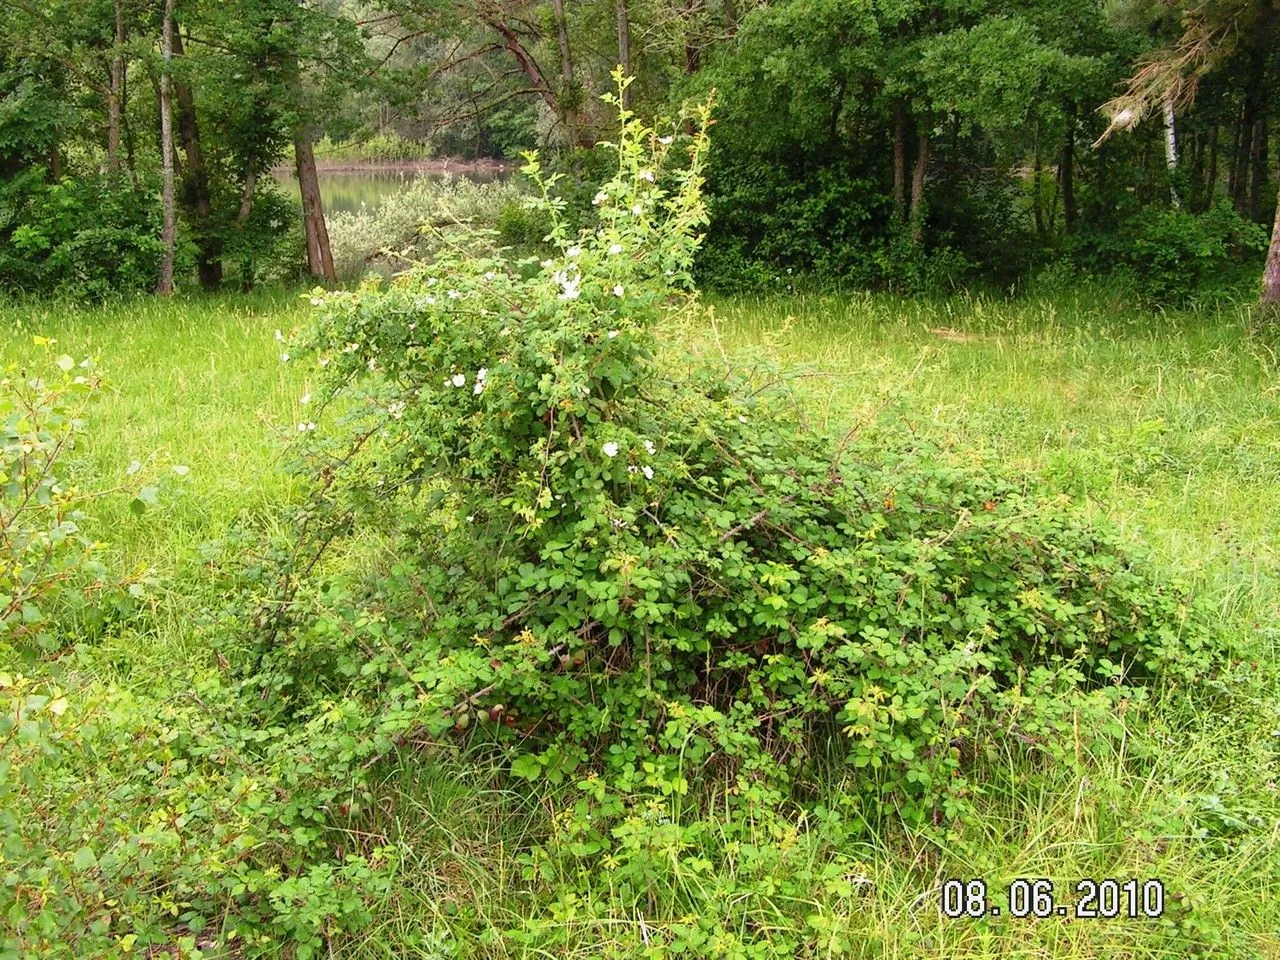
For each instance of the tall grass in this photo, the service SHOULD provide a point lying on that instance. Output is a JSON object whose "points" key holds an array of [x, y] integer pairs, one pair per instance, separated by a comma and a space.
{"points": [[1169, 425]]}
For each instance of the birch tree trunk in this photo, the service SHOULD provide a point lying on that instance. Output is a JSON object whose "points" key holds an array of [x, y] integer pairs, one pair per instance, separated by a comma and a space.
{"points": [[169, 234], [1171, 151]]}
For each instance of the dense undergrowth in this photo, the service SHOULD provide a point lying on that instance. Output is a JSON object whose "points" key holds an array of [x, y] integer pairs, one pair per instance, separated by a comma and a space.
{"points": [[565, 642]]}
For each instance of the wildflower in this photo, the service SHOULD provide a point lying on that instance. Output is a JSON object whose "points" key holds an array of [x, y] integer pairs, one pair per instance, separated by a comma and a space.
{"points": [[316, 301], [471, 518], [478, 388], [372, 364], [490, 275], [631, 468], [504, 332], [454, 294], [646, 175], [305, 398], [569, 284], [637, 209], [482, 373], [431, 301], [647, 471], [431, 281], [396, 409], [649, 447], [610, 449], [459, 380], [284, 358], [323, 361], [666, 141], [600, 198], [548, 264], [279, 336], [742, 419], [574, 251], [304, 427], [612, 333], [617, 289], [615, 249]]}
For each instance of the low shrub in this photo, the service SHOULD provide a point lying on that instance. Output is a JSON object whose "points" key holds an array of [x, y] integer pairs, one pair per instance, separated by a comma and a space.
{"points": [[1171, 256], [83, 238], [48, 562], [657, 586]]}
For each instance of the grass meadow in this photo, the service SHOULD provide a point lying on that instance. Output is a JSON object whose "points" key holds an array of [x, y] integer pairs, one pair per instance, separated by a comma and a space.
{"points": [[1167, 424]]}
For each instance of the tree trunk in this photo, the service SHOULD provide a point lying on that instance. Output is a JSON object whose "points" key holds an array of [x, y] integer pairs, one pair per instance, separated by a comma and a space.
{"points": [[195, 183], [568, 88], [246, 198], [1171, 151], [917, 185], [319, 256], [1260, 161], [1237, 152], [1211, 178], [1067, 172], [624, 49], [692, 52], [169, 234], [1036, 183], [900, 162], [1271, 274], [115, 99]]}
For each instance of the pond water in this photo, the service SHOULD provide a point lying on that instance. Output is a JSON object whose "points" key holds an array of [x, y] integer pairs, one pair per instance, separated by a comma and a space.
{"points": [[347, 189]]}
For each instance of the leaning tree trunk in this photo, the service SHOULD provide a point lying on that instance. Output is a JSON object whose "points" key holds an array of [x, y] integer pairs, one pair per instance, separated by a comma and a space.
{"points": [[169, 235], [1271, 274], [319, 256]]}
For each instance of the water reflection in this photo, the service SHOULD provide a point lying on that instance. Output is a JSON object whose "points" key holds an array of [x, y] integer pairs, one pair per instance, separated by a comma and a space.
{"points": [[346, 190]]}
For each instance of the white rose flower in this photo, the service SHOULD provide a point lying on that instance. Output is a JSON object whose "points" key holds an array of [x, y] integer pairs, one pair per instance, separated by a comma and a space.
{"points": [[459, 380], [647, 471], [617, 289], [610, 449], [649, 447]]}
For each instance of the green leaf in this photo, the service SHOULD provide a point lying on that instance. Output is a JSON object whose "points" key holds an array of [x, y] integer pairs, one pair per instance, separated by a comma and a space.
{"points": [[84, 860], [527, 766]]}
